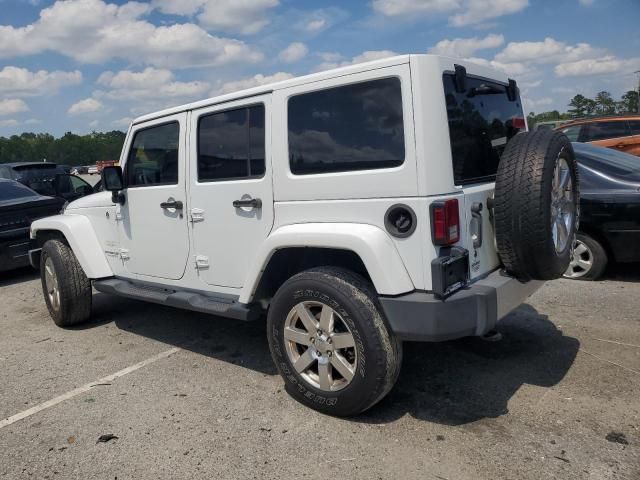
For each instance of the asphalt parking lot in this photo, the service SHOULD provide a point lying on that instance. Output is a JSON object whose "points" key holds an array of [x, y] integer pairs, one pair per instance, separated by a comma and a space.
{"points": [[198, 397]]}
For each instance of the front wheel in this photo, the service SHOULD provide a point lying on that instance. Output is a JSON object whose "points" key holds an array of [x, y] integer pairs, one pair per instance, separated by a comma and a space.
{"points": [[66, 288], [330, 342]]}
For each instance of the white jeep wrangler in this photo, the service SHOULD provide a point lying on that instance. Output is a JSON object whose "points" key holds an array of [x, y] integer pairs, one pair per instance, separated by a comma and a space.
{"points": [[397, 200]]}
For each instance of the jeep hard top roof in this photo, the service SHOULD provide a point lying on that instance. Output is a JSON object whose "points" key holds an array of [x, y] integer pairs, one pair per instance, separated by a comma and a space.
{"points": [[444, 63]]}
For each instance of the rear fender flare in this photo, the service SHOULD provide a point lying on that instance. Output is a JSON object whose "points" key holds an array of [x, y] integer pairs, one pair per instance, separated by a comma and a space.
{"points": [[372, 244]]}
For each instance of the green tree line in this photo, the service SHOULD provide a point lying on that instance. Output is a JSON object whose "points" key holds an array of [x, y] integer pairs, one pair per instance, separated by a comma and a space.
{"points": [[70, 149], [580, 106]]}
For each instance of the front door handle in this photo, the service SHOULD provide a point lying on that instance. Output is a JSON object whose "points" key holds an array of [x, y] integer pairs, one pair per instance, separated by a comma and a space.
{"points": [[249, 202], [177, 204]]}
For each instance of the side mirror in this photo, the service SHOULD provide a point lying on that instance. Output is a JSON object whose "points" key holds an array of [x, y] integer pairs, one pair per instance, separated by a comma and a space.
{"points": [[112, 182]]}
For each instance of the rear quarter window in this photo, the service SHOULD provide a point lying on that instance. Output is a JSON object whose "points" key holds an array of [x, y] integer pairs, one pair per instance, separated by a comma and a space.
{"points": [[481, 122], [347, 128]]}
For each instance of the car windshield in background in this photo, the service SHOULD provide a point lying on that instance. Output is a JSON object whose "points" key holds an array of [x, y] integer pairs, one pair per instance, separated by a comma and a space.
{"points": [[14, 190], [607, 159], [481, 122]]}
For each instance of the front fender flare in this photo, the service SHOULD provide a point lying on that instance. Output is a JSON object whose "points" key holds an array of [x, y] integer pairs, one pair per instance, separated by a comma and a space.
{"points": [[82, 239], [372, 244]]}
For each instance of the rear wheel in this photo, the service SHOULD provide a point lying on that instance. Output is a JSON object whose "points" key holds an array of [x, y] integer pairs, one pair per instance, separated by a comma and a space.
{"points": [[588, 259], [66, 288], [330, 342]]}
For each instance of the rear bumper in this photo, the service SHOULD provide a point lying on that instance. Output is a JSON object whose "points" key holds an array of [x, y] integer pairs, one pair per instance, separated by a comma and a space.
{"points": [[472, 311], [14, 252]]}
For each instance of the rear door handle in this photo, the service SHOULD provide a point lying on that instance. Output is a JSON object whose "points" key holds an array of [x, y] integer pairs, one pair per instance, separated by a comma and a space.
{"points": [[177, 204], [249, 202]]}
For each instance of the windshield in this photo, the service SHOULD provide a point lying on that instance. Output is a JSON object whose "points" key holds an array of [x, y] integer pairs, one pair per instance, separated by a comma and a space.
{"points": [[481, 122], [611, 161], [14, 190]]}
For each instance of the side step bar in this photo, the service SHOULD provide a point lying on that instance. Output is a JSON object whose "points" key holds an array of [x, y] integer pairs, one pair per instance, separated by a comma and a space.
{"points": [[185, 300]]}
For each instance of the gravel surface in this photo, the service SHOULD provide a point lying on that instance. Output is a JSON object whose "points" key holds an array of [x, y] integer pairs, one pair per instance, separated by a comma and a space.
{"points": [[558, 397]]}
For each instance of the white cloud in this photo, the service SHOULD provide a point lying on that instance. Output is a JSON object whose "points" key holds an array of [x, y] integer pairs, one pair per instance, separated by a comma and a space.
{"points": [[243, 16], [396, 8], [549, 50], [515, 69], [597, 66], [88, 105], [541, 102], [22, 82], [149, 84], [92, 31], [9, 123], [94, 123], [465, 47], [315, 25], [332, 60], [251, 82], [10, 106], [464, 12], [32, 121], [234, 16], [294, 52], [122, 122], [477, 11]]}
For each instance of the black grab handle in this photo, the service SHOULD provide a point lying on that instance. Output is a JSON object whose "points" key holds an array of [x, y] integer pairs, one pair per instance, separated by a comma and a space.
{"points": [[249, 202], [177, 204]]}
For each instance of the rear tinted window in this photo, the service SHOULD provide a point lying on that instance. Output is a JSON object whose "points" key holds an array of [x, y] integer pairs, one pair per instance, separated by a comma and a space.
{"points": [[352, 127], [605, 130], [481, 122], [573, 132], [13, 190]]}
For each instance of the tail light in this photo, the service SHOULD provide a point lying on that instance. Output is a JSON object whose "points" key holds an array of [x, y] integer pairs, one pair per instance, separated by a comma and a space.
{"points": [[518, 122], [445, 222]]}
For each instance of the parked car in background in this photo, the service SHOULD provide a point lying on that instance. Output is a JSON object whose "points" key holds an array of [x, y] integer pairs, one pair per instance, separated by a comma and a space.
{"points": [[609, 211], [93, 170], [105, 163], [19, 206], [621, 133], [553, 124], [47, 179]]}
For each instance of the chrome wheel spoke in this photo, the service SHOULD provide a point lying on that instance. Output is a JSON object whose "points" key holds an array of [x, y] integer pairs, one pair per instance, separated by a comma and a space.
{"points": [[297, 336], [324, 375], [308, 320], [342, 366], [564, 178], [563, 234], [326, 319], [584, 264], [580, 249], [342, 340], [304, 361]]}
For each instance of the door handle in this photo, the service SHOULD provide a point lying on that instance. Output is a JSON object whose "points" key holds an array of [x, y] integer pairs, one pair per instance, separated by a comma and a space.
{"points": [[249, 202], [177, 204]]}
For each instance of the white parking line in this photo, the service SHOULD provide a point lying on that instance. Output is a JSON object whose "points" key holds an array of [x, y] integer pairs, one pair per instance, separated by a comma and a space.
{"points": [[77, 391]]}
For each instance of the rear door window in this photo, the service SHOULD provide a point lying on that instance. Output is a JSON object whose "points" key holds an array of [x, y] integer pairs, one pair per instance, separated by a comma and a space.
{"points": [[606, 130], [573, 132], [481, 122], [347, 128]]}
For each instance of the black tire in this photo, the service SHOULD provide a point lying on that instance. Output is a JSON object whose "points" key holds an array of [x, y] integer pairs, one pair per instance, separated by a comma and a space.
{"points": [[595, 254], [73, 285], [523, 205], [379, 352]]}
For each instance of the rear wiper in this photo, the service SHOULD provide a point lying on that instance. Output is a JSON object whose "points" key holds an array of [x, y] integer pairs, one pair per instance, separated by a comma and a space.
{"points": [[485, 89]]}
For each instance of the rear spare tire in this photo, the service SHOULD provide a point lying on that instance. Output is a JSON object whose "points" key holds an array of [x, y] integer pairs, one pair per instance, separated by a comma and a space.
{"points": [[536, 205]]}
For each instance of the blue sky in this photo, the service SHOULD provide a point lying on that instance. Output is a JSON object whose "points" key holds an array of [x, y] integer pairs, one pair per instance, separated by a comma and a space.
{"points": [[82, 65]]}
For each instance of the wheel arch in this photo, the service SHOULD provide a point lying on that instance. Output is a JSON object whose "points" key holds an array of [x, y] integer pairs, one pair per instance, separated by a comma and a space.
{"points": [[77, 232], [365, 249]]}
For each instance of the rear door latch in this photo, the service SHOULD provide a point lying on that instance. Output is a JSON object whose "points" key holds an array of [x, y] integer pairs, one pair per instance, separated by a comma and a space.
{"points": [[476, 224]]}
